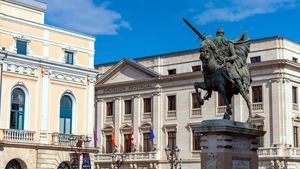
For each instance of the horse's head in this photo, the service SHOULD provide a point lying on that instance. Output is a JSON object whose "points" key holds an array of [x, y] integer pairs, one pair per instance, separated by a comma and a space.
{"points": [[207, 48]]}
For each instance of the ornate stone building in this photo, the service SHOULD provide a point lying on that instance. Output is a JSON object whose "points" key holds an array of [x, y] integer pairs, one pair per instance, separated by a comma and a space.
{"points": [[157, 92], [47, 89]]}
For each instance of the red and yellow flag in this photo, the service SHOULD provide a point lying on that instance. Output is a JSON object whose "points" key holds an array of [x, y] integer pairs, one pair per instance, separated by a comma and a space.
{"points": [[113, 140]]}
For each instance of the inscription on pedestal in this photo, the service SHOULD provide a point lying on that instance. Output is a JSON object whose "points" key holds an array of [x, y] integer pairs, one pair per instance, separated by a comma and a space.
{"points": [[240, 164]]}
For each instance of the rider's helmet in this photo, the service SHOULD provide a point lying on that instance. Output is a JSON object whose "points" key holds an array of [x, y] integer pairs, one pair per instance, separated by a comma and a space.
{"points": [[220, 30]]}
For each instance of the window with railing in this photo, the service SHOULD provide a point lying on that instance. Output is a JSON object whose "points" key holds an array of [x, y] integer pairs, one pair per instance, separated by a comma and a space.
{"points": [[196, 140], [196, 107], [172, 140], [127, 143], [17, 111], [256, 94], [109, 145], [261, 138], [147, 143], [295, 136]]}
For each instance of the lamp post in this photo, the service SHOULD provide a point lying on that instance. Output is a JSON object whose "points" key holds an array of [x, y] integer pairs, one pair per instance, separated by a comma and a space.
{"points": [[87, 141], [118, 162], [172, 156]]}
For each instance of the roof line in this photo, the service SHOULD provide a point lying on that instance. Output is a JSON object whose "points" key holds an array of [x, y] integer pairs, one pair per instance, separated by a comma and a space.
{"points": [[189, 51]]}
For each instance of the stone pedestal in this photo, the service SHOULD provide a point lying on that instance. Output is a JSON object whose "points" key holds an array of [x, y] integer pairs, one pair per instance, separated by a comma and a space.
{"points": [[228, 144]]}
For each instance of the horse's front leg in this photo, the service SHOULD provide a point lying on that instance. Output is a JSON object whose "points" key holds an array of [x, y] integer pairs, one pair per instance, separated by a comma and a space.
{"points": [[200, 85], [208, 95]]}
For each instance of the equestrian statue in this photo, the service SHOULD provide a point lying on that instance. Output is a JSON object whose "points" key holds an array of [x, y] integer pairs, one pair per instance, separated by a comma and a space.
{"points": [[224, 68]]}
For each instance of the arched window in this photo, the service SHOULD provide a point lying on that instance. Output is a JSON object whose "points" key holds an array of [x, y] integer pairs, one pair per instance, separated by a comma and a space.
{"points": [[63, 166], [65, 120], [13, 164], [17, 109]]}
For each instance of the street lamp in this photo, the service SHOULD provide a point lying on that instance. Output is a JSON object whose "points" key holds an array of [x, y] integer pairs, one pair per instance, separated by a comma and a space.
{"points": [[118, 162], [87, 141], [172, 156]]}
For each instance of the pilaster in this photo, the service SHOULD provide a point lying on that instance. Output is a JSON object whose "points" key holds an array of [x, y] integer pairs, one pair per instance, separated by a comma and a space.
{"points": [[137, 119], [45, 99]]}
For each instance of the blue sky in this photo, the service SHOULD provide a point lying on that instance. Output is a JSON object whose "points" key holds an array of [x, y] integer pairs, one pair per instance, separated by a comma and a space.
{"points": [[137, 28]]}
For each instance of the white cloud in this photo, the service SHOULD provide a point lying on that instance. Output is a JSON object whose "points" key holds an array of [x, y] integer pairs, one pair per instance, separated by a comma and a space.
{"points": [[235, 10], [86, 17]]}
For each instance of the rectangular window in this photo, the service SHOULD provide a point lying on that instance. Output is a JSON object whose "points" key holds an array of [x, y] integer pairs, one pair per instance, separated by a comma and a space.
{"points": [[128, 106], [195, 104], [147, 105], [261, 138], [257, 94], [22, 47], [172, 140], [109, 146], [171, 103], [172, 71], [127, 143], [109, 108], [196, 68], [69, 57], [295, 60], [295, 134], [294, 95], [147, 143], [255, 59], [196, 140], [221, 101]]}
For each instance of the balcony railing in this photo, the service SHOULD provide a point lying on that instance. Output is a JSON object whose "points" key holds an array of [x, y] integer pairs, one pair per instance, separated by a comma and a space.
{"points": [[18, 135], [140, 156], [196, 112], [127, 117], [66, 139], [295, 107], [257, 106], [147, 115], [272, 152], [109, 119], [221, 109], [171, 114]]}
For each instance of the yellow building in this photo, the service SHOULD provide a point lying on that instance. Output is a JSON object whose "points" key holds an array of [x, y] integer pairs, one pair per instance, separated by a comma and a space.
{"points": [[47, 89]]}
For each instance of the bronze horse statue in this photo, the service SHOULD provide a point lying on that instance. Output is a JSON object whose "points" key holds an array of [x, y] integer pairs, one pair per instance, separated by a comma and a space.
{"points": [[216, 77]]}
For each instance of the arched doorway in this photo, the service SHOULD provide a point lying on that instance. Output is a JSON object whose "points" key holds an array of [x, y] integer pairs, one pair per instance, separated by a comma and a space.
{"points": [[17, 111], [65, 120], [63, 165], [13, 164]]}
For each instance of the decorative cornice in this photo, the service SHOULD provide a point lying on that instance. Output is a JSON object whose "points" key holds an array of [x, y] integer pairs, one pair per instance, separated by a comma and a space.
{"points": [[68, 77], [20, 68]]}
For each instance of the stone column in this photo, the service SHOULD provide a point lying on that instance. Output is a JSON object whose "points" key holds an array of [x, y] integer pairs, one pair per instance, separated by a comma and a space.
{"points": [[100, 122], [45, 106], [118, 121], [137, 120], [156, 120], [228, 144]]}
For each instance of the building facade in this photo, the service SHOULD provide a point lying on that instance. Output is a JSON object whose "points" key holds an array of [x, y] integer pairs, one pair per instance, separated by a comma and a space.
{"points": [[47, 89], [157, 93]]}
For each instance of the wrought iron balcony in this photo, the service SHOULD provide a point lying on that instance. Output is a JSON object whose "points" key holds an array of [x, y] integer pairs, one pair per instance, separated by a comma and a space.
{"points": [[17, 135]]}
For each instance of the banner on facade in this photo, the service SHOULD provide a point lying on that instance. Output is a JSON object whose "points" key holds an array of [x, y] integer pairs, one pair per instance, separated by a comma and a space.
{"points": [[86, 163], [75, 160]]}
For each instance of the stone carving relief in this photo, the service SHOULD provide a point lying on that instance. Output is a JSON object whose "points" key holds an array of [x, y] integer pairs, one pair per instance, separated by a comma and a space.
{"points": [[20, 68]]}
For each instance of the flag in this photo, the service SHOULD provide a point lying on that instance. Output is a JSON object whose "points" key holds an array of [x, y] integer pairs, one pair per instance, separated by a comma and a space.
{"points": [[113, 140], [152, 136], [132, 140], [95, 138]]}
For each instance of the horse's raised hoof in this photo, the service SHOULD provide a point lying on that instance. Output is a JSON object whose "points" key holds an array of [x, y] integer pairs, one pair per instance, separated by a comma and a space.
{"points": [[226, 116], [200, 101]]}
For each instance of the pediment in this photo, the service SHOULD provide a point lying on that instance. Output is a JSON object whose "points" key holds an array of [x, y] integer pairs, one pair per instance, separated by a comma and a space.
{"points": [[127, 70]]}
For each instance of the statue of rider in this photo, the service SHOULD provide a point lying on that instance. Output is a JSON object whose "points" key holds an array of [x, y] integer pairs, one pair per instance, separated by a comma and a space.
{"points": [[229, 58]]}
